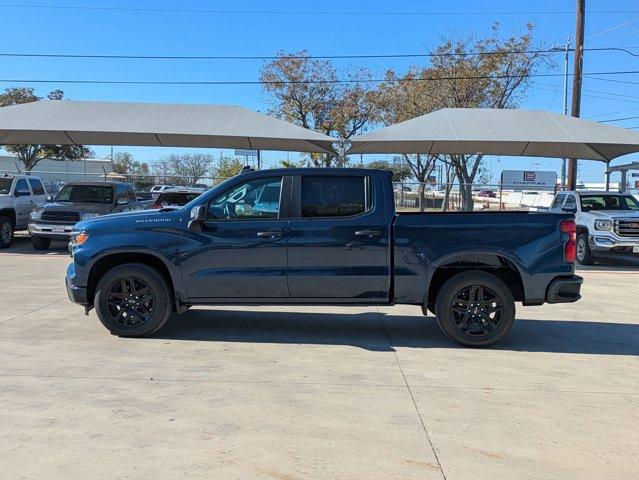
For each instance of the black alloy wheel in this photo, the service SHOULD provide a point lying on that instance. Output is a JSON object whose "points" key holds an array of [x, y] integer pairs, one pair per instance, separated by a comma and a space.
{"points": [[130, 302], [475, 308], [133, 300]]}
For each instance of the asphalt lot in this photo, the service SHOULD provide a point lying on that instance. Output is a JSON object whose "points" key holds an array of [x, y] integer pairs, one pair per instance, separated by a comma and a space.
{"points": [[305, 393]]}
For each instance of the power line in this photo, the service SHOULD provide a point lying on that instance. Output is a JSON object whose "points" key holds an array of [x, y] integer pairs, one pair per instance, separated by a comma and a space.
{"points": [[619, 119], [293, 82], [305, 12], [318, 57], [613, 113]]}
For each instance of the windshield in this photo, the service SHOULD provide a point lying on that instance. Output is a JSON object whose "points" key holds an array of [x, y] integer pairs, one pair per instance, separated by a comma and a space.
{"points": [[608, 202], [5, 186], [86, 194]]}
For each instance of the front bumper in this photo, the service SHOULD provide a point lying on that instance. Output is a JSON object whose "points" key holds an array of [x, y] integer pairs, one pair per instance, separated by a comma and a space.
{"points": [[564, 289], [51, 230], [77, 294], [613, 244]]}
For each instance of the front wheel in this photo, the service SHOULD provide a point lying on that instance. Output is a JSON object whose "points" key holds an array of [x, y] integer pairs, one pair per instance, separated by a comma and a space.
{"points": [[475, 309], [584, 254], [6, 232], [40, 243], [133, 300]]}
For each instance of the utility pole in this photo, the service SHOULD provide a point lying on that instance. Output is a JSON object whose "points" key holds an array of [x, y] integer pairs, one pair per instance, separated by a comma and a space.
{"points": [[563, 163], [576, 83]]}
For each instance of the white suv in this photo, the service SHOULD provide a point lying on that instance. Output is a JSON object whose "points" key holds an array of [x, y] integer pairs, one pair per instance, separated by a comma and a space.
{"points": [[19, 194], [606, 222]]}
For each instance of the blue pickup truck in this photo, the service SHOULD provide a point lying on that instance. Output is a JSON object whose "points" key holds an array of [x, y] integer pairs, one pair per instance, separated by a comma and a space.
{"points": [[321, 236]]}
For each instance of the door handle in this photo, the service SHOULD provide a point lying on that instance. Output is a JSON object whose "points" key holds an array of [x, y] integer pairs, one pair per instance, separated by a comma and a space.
{"points": [[269, 234], [368, 233]]}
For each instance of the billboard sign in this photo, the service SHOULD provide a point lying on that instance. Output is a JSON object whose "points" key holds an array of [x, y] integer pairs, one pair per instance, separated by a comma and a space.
{"points": [[519, 180]]}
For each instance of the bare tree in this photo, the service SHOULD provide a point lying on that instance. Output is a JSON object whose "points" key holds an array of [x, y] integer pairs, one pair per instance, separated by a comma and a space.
{"points": [[189, 168], [305, 91]]}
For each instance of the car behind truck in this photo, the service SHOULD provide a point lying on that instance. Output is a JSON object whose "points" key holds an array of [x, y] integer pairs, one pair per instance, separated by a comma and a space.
{"points": [[321, 236]]}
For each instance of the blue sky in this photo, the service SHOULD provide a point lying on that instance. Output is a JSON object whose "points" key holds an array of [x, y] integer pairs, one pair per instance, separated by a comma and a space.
{"points": [[100, 31]]}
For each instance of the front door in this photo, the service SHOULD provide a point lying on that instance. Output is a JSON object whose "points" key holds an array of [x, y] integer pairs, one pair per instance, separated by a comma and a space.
{"points": [[339, 239], [240, 252]]}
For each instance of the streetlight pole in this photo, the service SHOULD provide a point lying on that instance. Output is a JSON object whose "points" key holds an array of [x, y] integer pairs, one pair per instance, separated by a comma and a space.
{"points": [[576, 82]]}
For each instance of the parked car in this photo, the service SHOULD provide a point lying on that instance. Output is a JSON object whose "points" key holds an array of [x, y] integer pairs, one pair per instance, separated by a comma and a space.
{"points": [[176, 197], [607, 222], [487, 193], [334, 238], [156, 190], [19, 194], [78, 201]]}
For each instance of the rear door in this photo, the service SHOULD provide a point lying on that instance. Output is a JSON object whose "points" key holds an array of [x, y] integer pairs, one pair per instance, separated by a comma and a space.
{"points": [[24, 202], [338, 239]]}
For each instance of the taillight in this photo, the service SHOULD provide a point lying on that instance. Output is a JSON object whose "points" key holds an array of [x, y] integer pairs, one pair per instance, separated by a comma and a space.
{"points": [[570, 247]]}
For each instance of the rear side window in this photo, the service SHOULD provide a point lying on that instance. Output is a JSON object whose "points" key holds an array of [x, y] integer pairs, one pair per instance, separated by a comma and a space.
{"points": [[559, 199], [36, 186], [333, 196]]}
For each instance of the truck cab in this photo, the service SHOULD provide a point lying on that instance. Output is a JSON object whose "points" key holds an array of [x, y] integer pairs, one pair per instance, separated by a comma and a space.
{"points": [[607, 222], [19, 195]]}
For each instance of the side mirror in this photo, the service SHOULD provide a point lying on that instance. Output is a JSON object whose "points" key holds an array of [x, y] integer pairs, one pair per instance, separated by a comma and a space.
{"points": [[122, 201], [198, 215], [569, 209], [49, 198]]}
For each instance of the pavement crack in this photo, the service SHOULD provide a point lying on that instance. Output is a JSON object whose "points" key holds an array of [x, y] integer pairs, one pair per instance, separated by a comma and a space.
{"points": [[410, 392], [31, 311]]}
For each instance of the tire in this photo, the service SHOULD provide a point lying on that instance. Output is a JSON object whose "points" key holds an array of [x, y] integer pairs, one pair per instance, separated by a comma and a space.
{"points": [[40, 243], [133, 300], [478, 323], [6, 232], [584, 255]]}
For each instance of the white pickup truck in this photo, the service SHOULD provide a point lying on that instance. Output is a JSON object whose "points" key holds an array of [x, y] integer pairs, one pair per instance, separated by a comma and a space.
{"points": [[607, 222], [19, 194]]}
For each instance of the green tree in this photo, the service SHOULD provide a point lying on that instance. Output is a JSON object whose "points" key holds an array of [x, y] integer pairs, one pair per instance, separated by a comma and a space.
{"points": [[400, 173], [228, 167], [30, 155], [135, 172]]}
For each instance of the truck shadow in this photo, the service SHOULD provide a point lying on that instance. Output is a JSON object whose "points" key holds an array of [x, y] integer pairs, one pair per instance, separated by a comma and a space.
{"points": [[366, 330]]}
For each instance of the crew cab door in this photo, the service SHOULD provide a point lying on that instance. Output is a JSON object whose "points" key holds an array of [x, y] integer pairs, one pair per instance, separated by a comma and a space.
{"points": [[240, 252], [339, 239]]}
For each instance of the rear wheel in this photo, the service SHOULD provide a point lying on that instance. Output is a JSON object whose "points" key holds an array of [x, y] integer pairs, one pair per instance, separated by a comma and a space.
{"points": [[40, 243], [6, 232], [584, 254], [133, 300], [475, 309]]}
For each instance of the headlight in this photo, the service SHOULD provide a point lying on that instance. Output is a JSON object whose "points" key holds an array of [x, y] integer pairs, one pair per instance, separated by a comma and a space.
{"points": [[36, 214], [603, 224], [89, 216], [79, 238]]}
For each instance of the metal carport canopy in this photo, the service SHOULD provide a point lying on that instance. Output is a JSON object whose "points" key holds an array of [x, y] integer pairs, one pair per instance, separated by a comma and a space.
{"points": [[533, 133], [66, 122]]}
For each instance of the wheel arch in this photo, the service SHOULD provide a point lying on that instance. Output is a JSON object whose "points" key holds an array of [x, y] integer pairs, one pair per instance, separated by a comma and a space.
{"points": [[111, 260], [494, 263], [9, 212]]}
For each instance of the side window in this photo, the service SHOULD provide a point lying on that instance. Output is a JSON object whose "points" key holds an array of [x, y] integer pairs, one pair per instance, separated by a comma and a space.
{"points": [[22, 187], [130, 194], [119, 193], [333, 196], [571, 202], [254, 199], [36, 186], [559, 200]]}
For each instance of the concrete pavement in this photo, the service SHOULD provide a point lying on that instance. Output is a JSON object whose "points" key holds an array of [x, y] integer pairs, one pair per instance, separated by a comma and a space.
{"points": [[314, 392]]}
